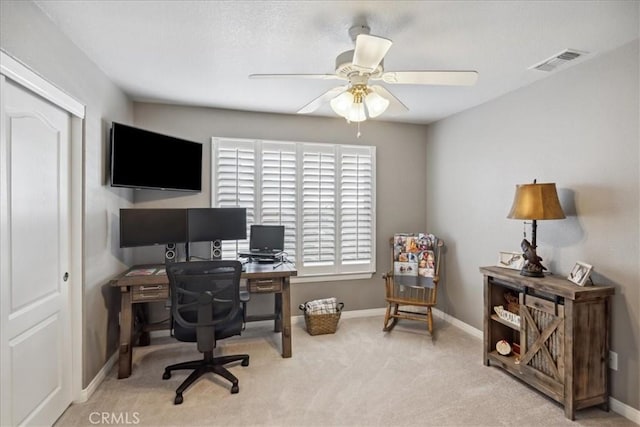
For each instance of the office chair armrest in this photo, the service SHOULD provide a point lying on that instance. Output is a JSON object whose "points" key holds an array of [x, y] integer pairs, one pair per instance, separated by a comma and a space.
{"points": [[245, 296]]}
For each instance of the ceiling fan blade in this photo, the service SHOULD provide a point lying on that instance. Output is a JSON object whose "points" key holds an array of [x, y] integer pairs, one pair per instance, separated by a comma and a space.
{"points": [[452, 78], [395, 105], [316, 103], [296, 76], [369, 51]]}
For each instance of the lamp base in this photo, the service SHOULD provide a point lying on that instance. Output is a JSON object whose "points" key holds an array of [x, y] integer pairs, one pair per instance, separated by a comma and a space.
{"points": [[529, 273], [532, 266]]}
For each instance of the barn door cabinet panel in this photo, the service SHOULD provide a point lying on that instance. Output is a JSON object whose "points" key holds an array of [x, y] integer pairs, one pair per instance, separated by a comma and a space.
{"points": [[558, 335]]}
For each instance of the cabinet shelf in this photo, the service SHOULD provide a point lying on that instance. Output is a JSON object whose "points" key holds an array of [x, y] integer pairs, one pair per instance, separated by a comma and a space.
{"points": [[498, 319], [508, 361]]}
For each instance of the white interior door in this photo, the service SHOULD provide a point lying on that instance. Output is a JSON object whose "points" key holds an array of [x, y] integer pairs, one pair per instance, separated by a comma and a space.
{"points": [[35, 254]]}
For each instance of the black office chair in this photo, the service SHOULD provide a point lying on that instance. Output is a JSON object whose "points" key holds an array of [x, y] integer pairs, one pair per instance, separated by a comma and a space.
{"points": [[206, 307]]}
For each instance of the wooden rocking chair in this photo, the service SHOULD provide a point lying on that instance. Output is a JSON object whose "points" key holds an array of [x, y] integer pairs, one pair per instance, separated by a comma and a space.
{"points": [[398, 295]]}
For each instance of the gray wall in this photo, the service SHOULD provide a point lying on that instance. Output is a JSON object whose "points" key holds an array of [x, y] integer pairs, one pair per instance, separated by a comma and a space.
{"points": [[578, 128], [29, 36], [400, 153]]}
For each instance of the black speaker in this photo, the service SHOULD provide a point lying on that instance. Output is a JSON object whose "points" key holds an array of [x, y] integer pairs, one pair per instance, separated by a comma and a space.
{"points": [[216, 249], [170, 252]]}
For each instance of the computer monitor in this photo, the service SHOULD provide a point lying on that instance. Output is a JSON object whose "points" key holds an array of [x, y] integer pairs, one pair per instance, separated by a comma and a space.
{"points": [[147, 227], [266, 238], [208, 224]]}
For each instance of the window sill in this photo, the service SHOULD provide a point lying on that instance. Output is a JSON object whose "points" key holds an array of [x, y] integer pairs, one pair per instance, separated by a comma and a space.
{"points": [[330, 277]]}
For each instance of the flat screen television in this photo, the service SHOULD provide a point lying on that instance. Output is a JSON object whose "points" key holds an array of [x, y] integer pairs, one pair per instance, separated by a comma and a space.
{"points": [[144, 159], [208, 224], [147, 227]]}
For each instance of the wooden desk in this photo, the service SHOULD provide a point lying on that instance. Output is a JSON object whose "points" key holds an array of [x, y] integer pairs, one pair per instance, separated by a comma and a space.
{"points": [[142, 288]]}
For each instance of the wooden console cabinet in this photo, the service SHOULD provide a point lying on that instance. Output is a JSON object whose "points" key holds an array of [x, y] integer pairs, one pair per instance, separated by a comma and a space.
{"points": [[563, 335]]}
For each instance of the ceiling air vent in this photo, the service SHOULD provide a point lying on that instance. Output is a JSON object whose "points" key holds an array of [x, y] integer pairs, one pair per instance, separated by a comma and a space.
{"points": [[557, 60]]}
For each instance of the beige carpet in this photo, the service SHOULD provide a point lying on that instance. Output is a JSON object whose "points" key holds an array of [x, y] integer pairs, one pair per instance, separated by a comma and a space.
{"points": [[359, 376]]}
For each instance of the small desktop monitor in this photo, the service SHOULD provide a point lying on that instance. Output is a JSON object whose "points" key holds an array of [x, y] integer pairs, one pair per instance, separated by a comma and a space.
{"points": [[209, 224], [147, 227], [266, 238]]}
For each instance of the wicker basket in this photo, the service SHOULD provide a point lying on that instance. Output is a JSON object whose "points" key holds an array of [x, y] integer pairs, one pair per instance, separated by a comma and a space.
{"points": [[318, 324]]}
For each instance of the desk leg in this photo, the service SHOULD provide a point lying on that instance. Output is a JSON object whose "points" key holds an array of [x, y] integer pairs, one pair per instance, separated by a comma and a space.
{"points": [[277, 311], [286, 318], [140, 320], [126, 329]]}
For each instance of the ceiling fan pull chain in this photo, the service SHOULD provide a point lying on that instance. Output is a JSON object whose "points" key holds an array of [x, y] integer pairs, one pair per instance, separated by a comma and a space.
{"points": [[358, 134]]}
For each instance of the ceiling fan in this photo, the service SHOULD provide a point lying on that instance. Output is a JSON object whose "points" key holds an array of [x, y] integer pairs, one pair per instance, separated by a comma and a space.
{"points": [[358, 99]]}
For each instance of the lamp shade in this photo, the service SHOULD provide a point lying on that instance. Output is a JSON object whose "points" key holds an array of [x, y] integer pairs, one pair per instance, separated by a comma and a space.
{"points": [[376, 104], [356, 113], [342, 103], [536, 201]]}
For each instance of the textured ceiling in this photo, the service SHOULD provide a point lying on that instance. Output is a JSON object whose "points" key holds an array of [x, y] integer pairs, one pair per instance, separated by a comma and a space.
{"points": [[201, 52]]}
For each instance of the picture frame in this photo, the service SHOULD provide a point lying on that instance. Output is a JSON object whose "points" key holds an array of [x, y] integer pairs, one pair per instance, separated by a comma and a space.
{"points": [[580, 273], [512, 260]]}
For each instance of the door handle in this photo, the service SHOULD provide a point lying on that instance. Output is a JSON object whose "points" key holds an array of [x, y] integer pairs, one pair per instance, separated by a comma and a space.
{"points": [[66, 276]]}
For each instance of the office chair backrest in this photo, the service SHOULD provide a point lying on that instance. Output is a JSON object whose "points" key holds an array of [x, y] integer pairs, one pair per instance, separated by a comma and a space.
{"points": [[204, 294]]}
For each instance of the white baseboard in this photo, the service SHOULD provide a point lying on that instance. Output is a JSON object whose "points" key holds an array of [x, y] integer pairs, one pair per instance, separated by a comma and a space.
{"points": [[160, 333], [370, 312], [616, 406], [86, 393], [437, 313], [458, 323], [625, 410]]}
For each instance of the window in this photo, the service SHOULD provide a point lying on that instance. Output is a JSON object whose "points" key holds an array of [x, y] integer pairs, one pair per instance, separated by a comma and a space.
{"points": [[324, 195]]}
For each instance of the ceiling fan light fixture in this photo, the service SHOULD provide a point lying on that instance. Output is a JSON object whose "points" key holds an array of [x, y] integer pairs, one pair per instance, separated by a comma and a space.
{"points": [[350, 104], [356, 113], [341, 104], [376, 104]]}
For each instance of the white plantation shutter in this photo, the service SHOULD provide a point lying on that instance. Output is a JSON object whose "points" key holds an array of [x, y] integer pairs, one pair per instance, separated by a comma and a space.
{"points": [[318, 205], [356, 207], [324, 195], [279, 195], [234, 170]]}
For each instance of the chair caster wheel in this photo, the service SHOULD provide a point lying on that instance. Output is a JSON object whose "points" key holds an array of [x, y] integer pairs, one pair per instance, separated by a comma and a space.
{"points": [[166, 375], [178, 399], [245, 362], [235, 389]]}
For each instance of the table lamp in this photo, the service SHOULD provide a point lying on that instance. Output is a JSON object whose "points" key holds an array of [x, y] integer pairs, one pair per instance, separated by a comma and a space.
{"points": [[534, 202]]}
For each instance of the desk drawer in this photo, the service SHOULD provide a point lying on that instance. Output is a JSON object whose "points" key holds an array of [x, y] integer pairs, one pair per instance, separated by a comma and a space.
{"points": [[149, 293], [265, 285]]}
